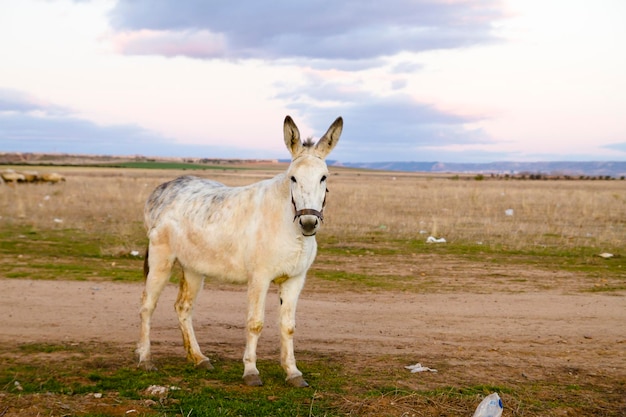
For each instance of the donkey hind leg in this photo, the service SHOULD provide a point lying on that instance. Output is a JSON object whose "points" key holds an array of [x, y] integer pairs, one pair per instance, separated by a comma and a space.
{"points": [[157, 270], [289, 293], [190, 284], [257, 293]]}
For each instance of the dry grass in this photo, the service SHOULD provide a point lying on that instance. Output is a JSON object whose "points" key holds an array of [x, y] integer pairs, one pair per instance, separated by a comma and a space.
{"points": [[564, 214], [559, 213]]}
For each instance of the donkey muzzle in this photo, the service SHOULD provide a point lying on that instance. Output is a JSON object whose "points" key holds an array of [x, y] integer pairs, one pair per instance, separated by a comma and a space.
{"points": [[310, 223]]}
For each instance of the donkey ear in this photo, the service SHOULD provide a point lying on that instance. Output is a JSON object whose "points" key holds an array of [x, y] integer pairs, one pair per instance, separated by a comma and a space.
{"points": [[292, 137], [330, 138]]}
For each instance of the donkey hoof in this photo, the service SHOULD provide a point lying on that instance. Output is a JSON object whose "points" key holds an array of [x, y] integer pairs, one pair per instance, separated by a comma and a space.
{"points": [[252, 380], [298, 382], [205, 364], [147, 366]]}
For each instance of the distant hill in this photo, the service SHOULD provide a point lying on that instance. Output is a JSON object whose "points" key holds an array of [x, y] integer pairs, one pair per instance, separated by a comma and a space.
{"points": [[614, 169]]}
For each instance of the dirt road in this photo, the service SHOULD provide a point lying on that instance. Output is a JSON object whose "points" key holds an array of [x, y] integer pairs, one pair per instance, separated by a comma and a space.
{"points": [[527, 333]]}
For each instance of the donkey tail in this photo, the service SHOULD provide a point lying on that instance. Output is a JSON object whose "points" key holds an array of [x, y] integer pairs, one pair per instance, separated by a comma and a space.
{"points": [[146, 265]]}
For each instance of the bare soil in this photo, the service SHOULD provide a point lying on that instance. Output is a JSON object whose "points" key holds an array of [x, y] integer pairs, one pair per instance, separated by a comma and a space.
{"points": [[578, 330], [487, 338]]}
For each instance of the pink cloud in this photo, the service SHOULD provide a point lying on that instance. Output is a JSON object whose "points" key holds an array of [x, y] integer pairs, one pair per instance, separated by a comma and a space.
{"points": [[198, 44]]}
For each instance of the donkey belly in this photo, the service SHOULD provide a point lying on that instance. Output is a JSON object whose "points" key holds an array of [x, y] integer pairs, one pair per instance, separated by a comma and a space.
{"points": [[219, 255], [213, 259], [217, 267]]}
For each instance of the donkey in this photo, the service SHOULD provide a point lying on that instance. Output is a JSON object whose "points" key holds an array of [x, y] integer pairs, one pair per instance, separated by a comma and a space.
{"points": [[259, 234]]}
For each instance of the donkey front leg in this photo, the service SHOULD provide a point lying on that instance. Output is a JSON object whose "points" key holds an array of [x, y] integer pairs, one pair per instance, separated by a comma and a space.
{"points": [[289, 294], [190, 284], [257, 293]]}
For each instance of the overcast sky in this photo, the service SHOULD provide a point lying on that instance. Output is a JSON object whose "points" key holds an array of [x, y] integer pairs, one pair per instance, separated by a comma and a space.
{"points": [[415, 80]]}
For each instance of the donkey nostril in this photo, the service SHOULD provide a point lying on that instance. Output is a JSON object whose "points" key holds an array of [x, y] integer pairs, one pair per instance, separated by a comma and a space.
{"points": [[308, 224]]}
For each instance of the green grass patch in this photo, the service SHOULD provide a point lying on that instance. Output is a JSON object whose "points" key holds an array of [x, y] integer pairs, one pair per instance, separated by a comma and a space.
{"points": [[207, 393], [414, 263], [367, 280], [341, 385], [30, 253], [66, 254], [32, 348], [169, 165]]}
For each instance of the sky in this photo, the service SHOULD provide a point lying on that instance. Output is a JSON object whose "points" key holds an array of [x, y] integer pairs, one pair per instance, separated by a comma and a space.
{"points": [[414, 80]]}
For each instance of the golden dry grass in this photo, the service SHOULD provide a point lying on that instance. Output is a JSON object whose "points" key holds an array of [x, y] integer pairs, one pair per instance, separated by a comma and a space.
{"points": [[545, 213], [398, 206]]}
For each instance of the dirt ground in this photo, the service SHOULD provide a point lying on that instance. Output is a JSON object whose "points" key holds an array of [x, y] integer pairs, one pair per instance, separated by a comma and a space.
{"points": [[531, 330], [489, 337]]}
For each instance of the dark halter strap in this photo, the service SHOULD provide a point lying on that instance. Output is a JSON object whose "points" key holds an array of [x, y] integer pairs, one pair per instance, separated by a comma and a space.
{"points": [[305, 212], [308, 212]]}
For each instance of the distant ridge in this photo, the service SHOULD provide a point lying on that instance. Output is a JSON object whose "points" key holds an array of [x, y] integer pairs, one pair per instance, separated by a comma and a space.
{"points": [[615, 169], [572, 168]]}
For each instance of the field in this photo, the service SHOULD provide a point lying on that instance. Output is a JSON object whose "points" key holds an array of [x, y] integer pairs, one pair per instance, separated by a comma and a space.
{"points": [[517, 300]]}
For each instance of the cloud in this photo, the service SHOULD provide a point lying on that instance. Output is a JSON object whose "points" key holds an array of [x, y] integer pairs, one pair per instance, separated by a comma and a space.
{"points": [[17, 101], [22, 132], [29, 133], [28, 124], [320, 35], [396, 126], [406, 67], [351, 30], [199, 44], [616, 146]]}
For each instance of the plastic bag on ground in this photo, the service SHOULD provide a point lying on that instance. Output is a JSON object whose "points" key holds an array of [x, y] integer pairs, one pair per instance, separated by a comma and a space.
{"points": [[491, 406]]}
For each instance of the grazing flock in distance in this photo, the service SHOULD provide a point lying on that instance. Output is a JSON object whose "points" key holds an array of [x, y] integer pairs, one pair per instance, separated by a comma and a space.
{"points": [[9, 176]]}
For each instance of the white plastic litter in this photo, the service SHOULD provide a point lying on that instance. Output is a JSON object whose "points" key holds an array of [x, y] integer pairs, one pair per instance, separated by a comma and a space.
{"points": [[134, 253], [157, 390], [606, 255], [490, 406], [508, 212], [419, 368], [160, 390], [432, 239]]}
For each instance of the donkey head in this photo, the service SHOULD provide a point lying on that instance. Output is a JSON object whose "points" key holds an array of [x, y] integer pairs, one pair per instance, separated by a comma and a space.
{"points": [[308, 173]]}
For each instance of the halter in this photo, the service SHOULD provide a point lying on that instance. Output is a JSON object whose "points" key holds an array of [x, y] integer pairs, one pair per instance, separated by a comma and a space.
{"points": [[308, 211]]}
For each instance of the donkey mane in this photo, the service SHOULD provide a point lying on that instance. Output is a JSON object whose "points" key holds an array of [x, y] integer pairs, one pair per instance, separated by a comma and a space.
{"points": [[309, 142]]}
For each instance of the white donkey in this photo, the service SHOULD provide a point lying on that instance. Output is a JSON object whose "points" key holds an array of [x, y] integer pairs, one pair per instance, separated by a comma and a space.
{"points": [[259, 234]]}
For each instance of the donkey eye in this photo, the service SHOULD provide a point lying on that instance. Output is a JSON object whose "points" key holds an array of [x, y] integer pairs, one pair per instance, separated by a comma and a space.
{"points": [[293, 179], [323, 178]]}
